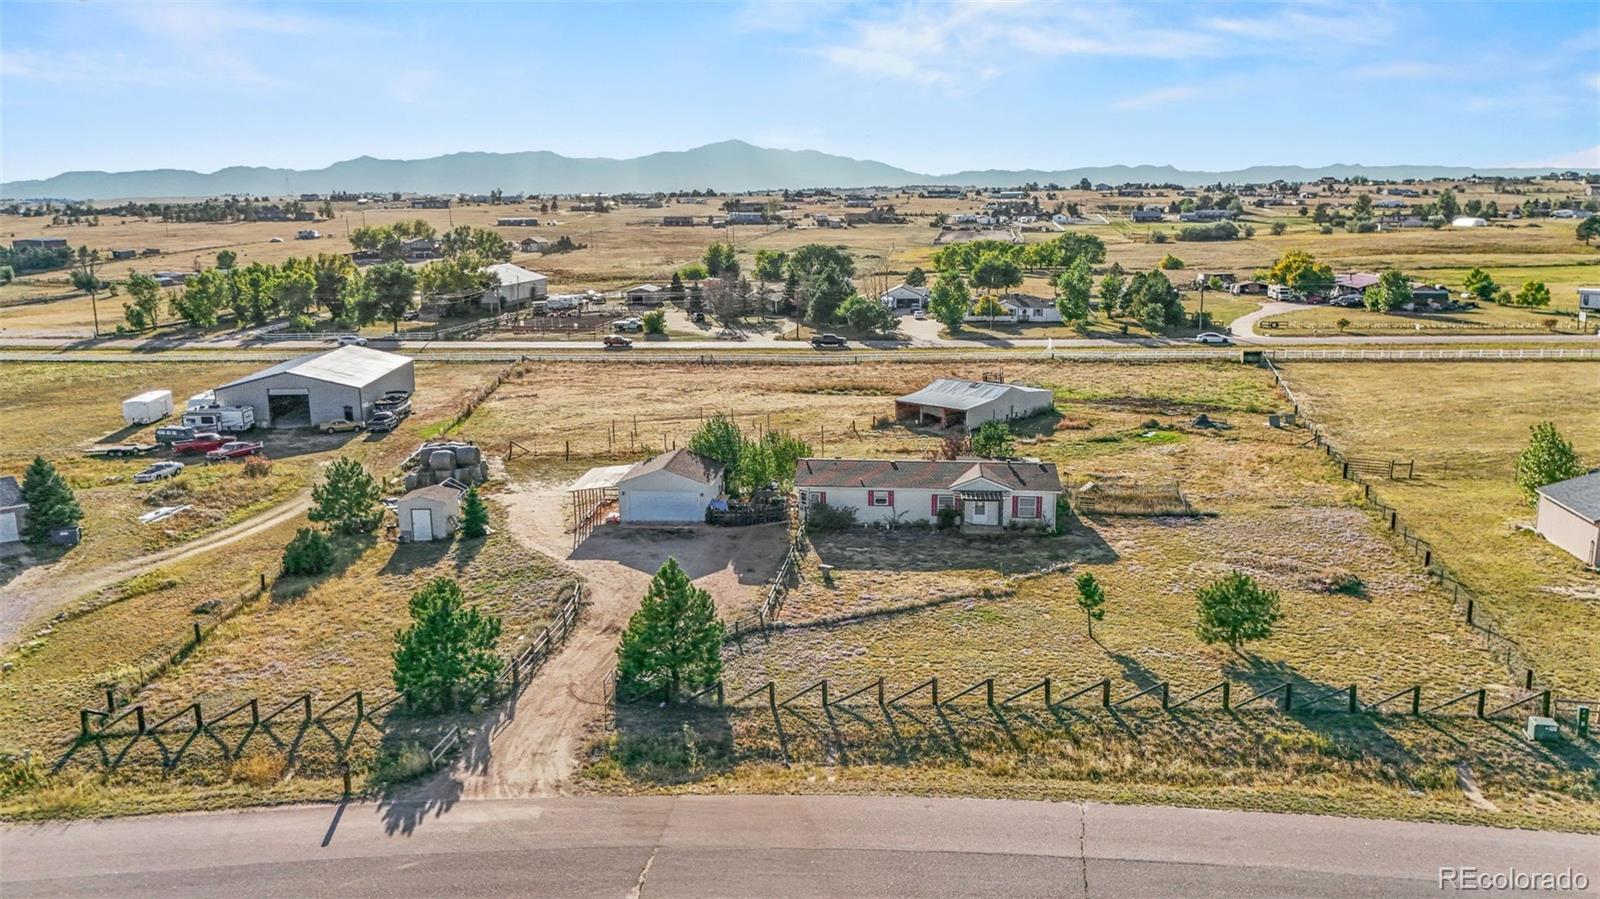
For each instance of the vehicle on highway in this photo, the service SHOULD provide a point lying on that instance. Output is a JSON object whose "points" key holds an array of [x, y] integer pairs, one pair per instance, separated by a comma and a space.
{"points": [[203, 442], [339, 425], [235, 449], [628, 325], [618, 341], [351, 340], [159, 471], [826, 340], [1212, 338]]}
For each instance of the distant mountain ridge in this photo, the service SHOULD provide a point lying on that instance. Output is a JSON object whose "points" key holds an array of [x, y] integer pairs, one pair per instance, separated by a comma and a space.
{"points": [[726, 166]]}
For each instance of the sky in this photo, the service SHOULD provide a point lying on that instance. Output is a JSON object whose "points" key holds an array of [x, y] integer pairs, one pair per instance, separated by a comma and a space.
{"points": [[931, 87]]}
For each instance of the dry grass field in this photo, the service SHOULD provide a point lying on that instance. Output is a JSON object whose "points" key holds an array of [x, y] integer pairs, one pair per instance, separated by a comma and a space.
{"points": [[1464, 424], [1484, 320], [627, 246]]}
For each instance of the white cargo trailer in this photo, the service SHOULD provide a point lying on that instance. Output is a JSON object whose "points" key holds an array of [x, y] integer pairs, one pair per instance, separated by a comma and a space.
{"points": [[150, 406]]}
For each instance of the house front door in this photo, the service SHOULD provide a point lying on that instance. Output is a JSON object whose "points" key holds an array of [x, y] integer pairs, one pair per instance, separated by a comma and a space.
{"points": [[982, 512]]}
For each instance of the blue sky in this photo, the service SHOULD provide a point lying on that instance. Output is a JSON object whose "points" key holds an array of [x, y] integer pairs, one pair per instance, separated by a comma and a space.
{"points": [[933, 87]]}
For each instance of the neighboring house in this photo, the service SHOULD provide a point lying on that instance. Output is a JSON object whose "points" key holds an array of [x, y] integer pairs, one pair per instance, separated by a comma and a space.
{"points": [[1354, 282], [337, 384], [904, 296], [746, 218], [430, 203], [827, 221], [1146, 214], [672, 488], [516, 222], [677, 221], [124, 254], [1569, 516], [533, 244], [953, 402], [39, 243], [518, 287], [13, 511], [430, 513], [646, 295], [985, 493], [1027, 309], [1589, 299]]}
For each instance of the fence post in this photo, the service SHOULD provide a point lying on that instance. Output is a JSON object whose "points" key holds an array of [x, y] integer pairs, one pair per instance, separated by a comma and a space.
{"points": [[720, 699], [263, 576], [1166, 694], [880, 691], [989, 692], [1527, 680], [1544, 704], [138, 717], [361, 708], [1105, 693], [824, 694], [111, 700], [935, 682], [1227, 688], [1354, 705], [1288, 696], [1047, 691], [772, 698], [1470, 604], [197, 633], [1416, 700], [1483, 695], [83, 724], [307, 699]]}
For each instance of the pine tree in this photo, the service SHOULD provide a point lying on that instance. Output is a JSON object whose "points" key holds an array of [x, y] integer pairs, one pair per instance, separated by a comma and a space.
{"points": [[1091, 599], [1549, 458], [50, 501], [348, 499], [1236, 609], [308, 554], [674, 641], [447, 654], [474, 515]]}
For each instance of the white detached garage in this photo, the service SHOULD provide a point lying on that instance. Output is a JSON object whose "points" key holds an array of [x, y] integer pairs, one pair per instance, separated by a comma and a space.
{"points": [[672, 488]]}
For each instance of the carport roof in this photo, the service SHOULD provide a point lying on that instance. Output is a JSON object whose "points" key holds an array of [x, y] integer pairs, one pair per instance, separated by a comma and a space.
{"points": [[954, 393], [600, 478], [351, 366]]}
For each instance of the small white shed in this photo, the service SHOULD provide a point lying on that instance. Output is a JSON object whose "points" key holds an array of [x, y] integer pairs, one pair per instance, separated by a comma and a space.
{"points": [[13, 511], [430, 513], [1569, 516], [672, 488]]}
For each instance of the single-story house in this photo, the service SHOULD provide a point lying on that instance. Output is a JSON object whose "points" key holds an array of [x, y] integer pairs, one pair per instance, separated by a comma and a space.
{"points": [[337, 384], [516, 222], [13, 511], [1589, 299], [430, 513], [746, 218], [39, 243], [1569, 516], [646, 295], [1029, 309], [953, 402], [1354, 282], [518, 286], [904, 296], [533, 244], [672, 488], [1146, 214], [986, 493]]}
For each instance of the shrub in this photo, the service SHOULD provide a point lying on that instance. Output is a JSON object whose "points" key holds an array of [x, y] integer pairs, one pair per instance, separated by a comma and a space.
{"points": [[302, 323], [474, 515], [1236, 609], [409, 761], [1337, 580], [308, 554], [257, 466], [258, 769], [1158, 237], [1325, 229], [1278, 228], [1213, 231], [1170, 262], [948, 518], [655, 321], [823, 518]]}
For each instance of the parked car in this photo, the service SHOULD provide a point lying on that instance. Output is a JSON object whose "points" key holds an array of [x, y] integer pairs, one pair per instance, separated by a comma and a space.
{"points": [[175, 433], [411, 316], [352, 340], [158, 471], [383, 422], [824, 340], [1348, 301], [698, 318], [617, 340], [235, 449], [203, 442], [1212, 338], [628, 325], [919, 315], [339, 425]]}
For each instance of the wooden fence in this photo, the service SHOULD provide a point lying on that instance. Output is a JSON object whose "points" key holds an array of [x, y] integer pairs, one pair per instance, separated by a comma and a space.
{"points": [[1358, 471], [777, 589]]}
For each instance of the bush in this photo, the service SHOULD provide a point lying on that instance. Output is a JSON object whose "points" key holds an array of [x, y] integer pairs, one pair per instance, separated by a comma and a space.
{"points": [[1213, 231], [257, 466], [1325, 229], [302, 323], [948, 518], [1170, 262], [1158, 237], [308, 554], [655, 321], [822, 518], [1337, 580], [348, 499], [1278, 229]]}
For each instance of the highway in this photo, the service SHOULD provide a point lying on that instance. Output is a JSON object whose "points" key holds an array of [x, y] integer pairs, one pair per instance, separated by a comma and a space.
{"points": [[791, 846]]}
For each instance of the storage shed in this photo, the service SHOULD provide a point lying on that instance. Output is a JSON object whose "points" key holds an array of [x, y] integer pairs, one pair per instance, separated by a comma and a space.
{"points": [[337, 384], [13, 511], [150, 406], [430, 513], [672, 488], [952, 402], [1569, 516]]}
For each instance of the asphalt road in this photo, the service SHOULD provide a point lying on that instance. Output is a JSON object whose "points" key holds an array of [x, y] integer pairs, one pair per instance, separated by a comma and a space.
{"points": [[791, 846]]}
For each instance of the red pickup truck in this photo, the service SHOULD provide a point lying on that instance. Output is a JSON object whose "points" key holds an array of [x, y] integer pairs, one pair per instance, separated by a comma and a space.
{"points": [[199, 443]]}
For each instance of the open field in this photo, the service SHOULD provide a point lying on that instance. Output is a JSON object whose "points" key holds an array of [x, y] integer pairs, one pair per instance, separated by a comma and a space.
{"points": [[1464, 424], [1489, 319], [627, 246]]}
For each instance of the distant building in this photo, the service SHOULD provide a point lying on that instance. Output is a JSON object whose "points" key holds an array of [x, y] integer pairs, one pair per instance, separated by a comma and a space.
{"points": [[677, 221], [39, 243], [518, 287], [517, 222], [1146, 214], [904, 296], [954, 402], [746, 218], [430, 202], [1569, 516]]}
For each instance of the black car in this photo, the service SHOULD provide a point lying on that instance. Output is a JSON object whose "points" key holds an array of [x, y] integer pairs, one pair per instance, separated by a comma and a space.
{"points": [[822, 340], [382, 422]]}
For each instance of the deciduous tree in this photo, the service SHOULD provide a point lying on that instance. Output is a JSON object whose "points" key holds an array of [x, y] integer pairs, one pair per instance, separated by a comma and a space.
{"points": [[992, 440], [1547, 459], [950, 301], [1392, 291]]}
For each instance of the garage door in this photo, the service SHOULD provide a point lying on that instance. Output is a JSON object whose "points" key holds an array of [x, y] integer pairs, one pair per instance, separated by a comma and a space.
{"points": [[8, 527], [663, 505]]}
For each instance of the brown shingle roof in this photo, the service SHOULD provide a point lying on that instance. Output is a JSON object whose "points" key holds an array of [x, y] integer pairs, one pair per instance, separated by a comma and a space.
{"points": [[917, 473], [682, 462]]}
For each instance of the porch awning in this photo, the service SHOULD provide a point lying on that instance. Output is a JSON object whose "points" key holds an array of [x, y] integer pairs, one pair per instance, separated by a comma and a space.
{"points": [[981, 495]]}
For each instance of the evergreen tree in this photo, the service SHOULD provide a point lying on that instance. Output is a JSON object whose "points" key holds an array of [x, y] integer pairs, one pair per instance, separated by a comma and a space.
{"points": [[474, 515], [1091, 599], [50, 501], [1236, 609], [1548, 458], [916, 277], [309, 553], [348, 499], [447, 654], [674, 641]]}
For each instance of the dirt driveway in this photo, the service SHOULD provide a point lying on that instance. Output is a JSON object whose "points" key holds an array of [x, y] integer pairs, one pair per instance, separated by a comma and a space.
{"points": [[534, 748]]}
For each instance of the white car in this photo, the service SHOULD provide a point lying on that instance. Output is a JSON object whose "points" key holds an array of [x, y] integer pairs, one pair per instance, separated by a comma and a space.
{"points": [[159, 471], [1212, 338], [919, 315], [352, 340]]}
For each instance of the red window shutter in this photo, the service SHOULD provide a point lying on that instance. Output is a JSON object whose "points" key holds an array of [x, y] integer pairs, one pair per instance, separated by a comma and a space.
{"points": [[1014, 501], [891, 499], [933, 505]]}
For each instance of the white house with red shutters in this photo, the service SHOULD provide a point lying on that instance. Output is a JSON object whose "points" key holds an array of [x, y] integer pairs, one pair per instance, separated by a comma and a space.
{"points": [[988, 493]]}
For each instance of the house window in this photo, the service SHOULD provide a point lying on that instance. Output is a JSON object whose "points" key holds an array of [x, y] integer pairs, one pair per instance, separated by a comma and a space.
{"points": [[979, 508], [1027, 507], [880, 497], [944, 501], [816, 498]]}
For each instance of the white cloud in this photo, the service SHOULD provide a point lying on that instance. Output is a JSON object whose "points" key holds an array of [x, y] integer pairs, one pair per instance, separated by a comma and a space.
{"points": [[1577, 159], [1406, 69], [1157, 97]]}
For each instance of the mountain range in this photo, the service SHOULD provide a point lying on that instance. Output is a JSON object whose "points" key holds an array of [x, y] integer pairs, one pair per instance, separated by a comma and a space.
{"points": [[726, 166]]}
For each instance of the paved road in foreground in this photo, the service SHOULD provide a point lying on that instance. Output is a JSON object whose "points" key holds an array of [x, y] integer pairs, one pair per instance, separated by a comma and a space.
{"points": [[790, 846]]}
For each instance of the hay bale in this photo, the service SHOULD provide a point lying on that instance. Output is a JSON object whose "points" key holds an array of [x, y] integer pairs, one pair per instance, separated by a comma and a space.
{"points": [[441, 460]]}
